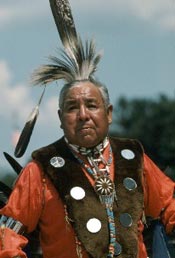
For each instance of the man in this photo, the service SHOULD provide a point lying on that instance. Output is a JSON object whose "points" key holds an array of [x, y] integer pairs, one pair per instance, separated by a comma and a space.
{"points": [[87, 193], [60, 190]]}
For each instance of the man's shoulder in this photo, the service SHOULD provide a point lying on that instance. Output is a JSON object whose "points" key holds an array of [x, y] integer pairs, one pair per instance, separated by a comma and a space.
{"points": [[49, 149], [126, 143], [124, 140]]}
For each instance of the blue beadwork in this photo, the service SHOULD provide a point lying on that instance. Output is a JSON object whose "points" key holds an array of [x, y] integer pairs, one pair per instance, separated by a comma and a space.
{"points": [[107, 200]]}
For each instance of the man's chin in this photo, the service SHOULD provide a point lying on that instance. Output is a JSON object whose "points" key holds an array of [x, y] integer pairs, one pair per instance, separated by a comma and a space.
{"points": [[88, 141]]}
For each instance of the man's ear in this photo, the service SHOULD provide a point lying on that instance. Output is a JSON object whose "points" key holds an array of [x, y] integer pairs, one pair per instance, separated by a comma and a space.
{"points": [[60, 117], [109, 112]]}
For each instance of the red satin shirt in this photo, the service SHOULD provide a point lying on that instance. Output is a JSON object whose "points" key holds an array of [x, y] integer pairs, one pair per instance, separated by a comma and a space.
{"points": [[35, 200]]}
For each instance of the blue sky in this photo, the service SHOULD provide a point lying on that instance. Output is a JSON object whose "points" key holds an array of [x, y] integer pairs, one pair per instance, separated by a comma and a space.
{"points": [[138, 43]]}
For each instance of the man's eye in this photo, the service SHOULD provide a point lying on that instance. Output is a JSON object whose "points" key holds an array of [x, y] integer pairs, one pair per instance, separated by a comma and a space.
{"points": [[71, 108], [92, 106]]}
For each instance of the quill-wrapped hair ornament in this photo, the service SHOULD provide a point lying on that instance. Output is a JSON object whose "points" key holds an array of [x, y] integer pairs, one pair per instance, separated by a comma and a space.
{"points": [[77, 62]]}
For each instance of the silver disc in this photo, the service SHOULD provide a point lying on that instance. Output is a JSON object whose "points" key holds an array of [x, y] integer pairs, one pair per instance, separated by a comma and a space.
{"points": [[118, 249], [125, 220], [127, 154], [93, 225], [57, 162], [77, 193], [129, 183]]}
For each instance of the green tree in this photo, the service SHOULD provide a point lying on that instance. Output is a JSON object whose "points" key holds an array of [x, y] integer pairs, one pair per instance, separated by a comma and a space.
{"points": [[152, 122]]}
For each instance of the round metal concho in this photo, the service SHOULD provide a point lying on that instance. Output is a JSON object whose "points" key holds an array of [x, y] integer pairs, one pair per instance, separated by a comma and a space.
{"points": [[129, 183], [57, 162], [93, 225], [127, 154], [125, 220], [77, 192], [118, 249], [104, 186]]}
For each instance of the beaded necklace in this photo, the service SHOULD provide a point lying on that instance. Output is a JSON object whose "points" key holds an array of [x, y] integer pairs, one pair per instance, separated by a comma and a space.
{"points": [[103, 185]]}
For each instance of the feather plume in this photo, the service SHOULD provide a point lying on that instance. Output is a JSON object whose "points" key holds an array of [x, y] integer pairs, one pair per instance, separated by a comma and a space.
{"points": [[62, 14], [67, 68], [78, 61], [27, 130], [14, 164]]}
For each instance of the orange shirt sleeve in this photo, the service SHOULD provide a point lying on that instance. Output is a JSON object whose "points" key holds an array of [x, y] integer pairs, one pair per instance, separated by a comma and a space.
{"points": [[25, 205], [11, 244], [159, 191], [25, 202]]}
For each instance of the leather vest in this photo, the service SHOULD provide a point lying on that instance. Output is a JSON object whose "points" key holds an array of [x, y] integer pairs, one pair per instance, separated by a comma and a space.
{"points": [[69, 174]]}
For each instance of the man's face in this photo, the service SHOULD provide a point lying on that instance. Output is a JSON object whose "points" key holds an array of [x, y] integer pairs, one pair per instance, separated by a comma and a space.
{"points": [[84, 118]]}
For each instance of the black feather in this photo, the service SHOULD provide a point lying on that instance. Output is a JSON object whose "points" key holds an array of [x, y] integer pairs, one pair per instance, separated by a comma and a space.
{"points": [[14, 164], [5, 189], [27, 131], [5, 192]]}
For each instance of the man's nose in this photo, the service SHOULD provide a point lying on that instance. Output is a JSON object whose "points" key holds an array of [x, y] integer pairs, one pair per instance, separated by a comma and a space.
{"points": [[83, 113]]}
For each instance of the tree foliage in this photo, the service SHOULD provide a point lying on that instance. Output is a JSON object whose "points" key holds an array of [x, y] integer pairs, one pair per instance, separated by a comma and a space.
{"points": [[152, 122]]}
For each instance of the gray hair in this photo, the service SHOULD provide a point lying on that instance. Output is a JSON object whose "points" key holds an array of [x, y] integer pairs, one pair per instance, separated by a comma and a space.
{"points": [[102, 88]]}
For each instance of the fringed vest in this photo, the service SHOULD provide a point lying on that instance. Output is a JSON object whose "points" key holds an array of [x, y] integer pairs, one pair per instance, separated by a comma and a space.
{"points": [[69, 174]]}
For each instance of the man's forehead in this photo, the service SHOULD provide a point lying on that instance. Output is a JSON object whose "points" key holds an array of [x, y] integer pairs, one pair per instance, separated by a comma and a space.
{"points": [[85, 98], [89, 92]]}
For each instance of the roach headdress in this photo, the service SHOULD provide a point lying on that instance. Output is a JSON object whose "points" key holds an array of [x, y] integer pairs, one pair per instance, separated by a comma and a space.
{"points": [[77, 61]]}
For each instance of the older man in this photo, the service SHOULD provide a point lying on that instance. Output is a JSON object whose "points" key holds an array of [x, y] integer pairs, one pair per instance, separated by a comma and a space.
{"points": [[88, 193]]}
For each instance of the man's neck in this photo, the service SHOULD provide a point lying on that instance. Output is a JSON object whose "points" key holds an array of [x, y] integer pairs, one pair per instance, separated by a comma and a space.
{"points": [[99, 148]]}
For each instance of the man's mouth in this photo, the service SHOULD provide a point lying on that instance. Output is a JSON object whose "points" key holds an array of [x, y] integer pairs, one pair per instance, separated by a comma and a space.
{"points": [[85, 129]]}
